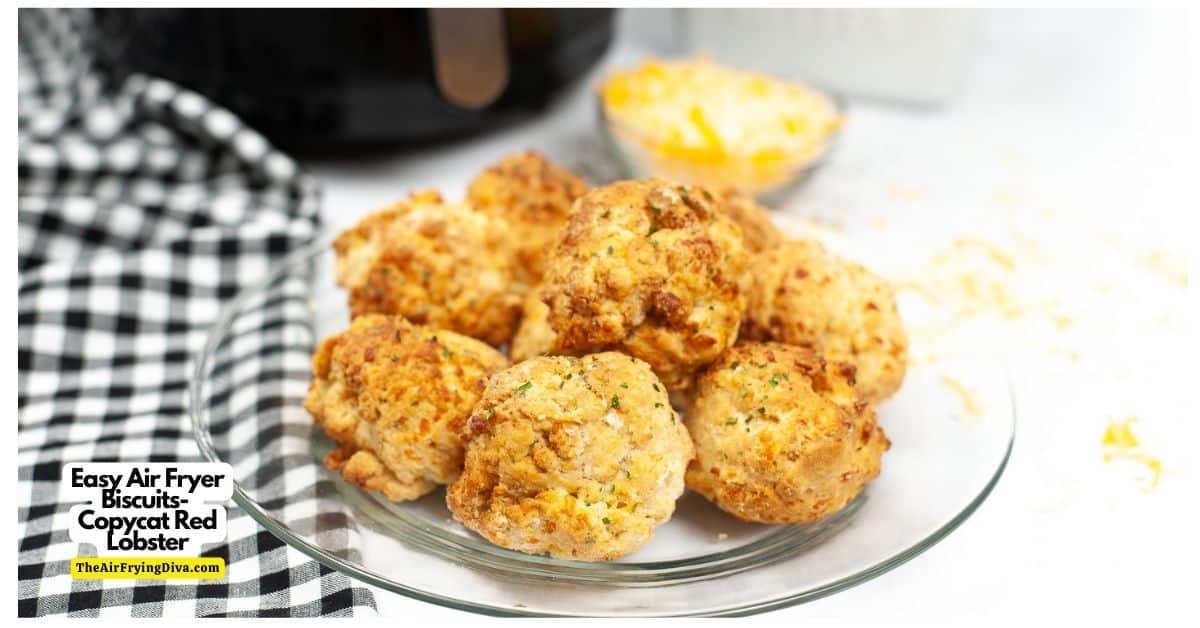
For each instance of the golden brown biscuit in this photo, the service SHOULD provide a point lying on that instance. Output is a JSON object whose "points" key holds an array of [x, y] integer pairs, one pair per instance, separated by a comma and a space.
{"points": [[533, 197], [758, 231], [803, 295], [534, 336], [781, 435], [572, 457], [433, 262], [650, 268], [395, 396]]}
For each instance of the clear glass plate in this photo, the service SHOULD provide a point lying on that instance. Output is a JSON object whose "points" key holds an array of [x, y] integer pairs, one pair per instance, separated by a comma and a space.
{"points": [[248, 412]]}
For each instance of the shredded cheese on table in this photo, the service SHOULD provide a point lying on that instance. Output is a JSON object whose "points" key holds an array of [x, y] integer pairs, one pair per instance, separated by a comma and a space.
{"points": [[1120, 443]]}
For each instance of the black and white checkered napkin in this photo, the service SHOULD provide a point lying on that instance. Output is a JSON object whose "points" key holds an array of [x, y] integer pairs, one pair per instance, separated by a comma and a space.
{"points": [[142, 210]]}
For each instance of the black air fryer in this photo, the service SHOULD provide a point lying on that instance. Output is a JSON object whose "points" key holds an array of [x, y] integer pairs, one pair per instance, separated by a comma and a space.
{"points": [[354, 78]]}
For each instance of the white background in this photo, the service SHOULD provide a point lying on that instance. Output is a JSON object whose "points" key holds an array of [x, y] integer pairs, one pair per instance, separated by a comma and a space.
{"points": [[1070, 148]]}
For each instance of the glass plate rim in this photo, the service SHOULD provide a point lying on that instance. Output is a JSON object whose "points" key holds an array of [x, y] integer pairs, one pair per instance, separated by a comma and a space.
{"points": [[203, 441]]}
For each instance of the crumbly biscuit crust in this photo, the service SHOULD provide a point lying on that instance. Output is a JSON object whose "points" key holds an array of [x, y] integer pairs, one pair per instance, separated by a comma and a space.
{"points": [[436, 263], [781, 435], [395, 396], [803, 295], [650, 268], [572, 457]]}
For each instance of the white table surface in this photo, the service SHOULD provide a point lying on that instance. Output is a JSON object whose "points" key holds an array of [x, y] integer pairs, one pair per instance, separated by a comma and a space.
{"points": [[1068, 153]]}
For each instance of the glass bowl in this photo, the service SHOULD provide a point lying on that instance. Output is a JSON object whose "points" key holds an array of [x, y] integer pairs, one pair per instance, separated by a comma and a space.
{"points": [[246, 406], [634, 161]]}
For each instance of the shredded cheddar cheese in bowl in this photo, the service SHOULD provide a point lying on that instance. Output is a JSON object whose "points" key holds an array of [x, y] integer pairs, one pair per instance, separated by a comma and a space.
{"points": [[699, 122]]}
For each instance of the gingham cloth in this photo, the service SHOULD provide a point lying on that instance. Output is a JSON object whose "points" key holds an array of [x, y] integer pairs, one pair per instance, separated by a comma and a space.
{"points": [[142, 210]]}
